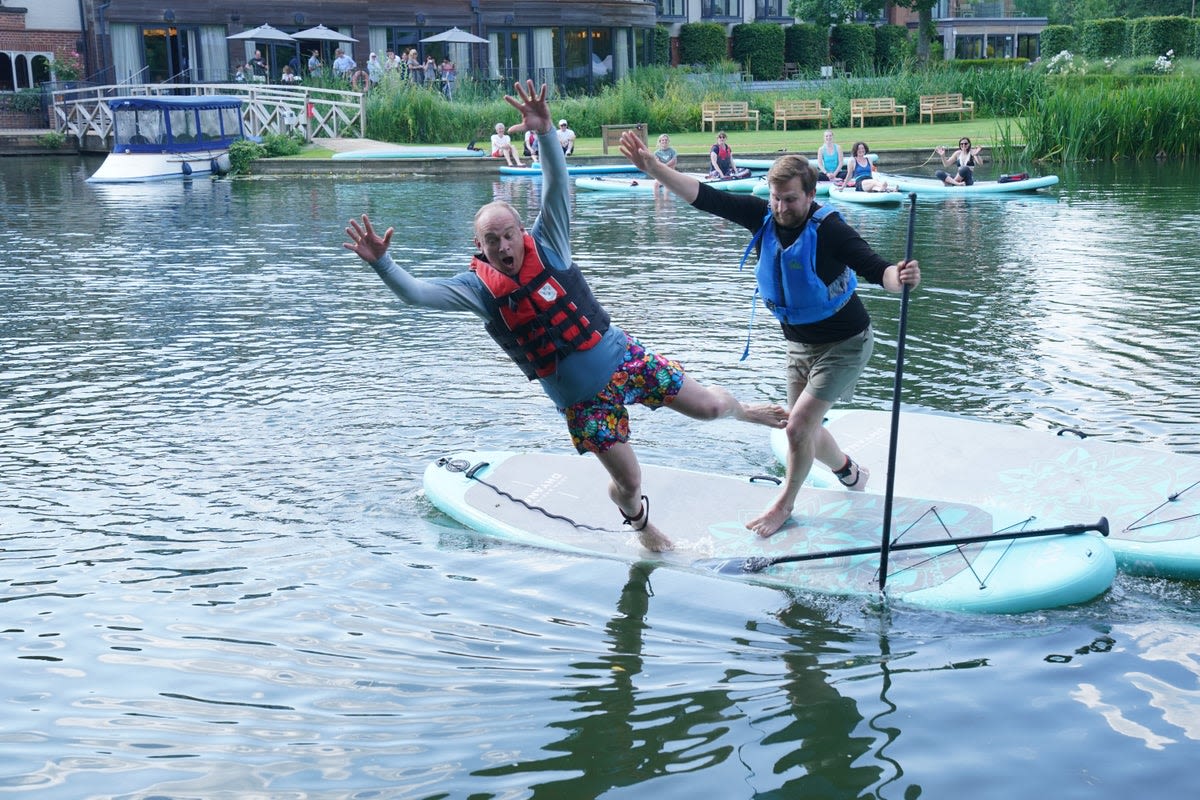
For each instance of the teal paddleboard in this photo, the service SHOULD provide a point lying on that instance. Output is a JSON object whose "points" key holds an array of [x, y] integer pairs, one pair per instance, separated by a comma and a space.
{"points": [[934, 187], [643, 184], [1150, 497], [838, 195], [560, 502]]}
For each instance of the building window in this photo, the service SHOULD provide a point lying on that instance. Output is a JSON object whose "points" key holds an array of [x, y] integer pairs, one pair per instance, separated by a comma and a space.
{"points": [[671, 8], [768, 9], [721, 9]]}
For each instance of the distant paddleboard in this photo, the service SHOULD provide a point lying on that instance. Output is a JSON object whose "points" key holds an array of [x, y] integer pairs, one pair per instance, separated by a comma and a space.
{"points": [[559, 502], [413, 151]]}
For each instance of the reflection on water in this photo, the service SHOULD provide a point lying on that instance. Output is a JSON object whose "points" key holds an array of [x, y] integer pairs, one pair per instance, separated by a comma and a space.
{"points": [[219, 576]]}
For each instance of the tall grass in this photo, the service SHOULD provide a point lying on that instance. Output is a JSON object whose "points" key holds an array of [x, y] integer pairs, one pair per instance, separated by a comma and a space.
{"points": [[1101, 120]]}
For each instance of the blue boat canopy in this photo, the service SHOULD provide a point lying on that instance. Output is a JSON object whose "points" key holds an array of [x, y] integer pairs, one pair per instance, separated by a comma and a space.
{"points": [[175, 124]]}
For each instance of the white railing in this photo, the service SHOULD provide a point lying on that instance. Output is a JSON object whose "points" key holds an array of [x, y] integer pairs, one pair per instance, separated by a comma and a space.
{"points": [[318, 113]]}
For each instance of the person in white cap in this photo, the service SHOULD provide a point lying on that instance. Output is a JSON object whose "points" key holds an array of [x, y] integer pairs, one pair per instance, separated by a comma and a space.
{"points": [[566, 137]]}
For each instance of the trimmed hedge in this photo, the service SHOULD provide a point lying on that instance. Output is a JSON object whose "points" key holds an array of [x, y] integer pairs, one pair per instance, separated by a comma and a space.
{"points": [[1056, 38], [758, 47], [1103, 38], [853, 46], [807, 46], [1154, 36], [892, 47], [702, 43]]}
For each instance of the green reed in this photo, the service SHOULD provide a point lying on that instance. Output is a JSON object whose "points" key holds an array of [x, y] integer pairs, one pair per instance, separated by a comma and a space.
{"points": [[1112, 119]]}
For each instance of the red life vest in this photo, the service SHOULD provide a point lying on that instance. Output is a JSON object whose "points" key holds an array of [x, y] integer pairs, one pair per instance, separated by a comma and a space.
{"points": [[540, 315]]}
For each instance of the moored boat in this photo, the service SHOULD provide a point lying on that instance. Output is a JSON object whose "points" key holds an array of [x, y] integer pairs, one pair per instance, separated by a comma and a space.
{"points": [[167, 137]]}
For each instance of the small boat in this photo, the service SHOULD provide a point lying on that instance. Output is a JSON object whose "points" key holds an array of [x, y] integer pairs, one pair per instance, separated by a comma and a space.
{"points": [[933, 186], [161, 138]]}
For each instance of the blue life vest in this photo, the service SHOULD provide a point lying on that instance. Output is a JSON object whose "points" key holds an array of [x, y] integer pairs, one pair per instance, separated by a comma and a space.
{"points": [[788, 280]]}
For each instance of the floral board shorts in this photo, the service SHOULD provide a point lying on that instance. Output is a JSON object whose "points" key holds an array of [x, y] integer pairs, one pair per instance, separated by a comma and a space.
{"points": [[646, 378]]}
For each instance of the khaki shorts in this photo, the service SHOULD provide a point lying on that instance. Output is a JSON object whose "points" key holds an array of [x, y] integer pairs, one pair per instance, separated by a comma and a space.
{"points": [[828, 371]]}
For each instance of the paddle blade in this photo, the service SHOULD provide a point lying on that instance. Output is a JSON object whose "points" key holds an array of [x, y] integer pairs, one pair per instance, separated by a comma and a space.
{"points": [[734, 566]]}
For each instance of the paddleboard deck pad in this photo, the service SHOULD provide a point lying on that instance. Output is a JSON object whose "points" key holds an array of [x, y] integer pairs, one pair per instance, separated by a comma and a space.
{"points": [[560, 502], [1150, 497]]}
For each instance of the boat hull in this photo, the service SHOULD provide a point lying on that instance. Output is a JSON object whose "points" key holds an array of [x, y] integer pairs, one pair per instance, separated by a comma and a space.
{"points": [[145, 167]]}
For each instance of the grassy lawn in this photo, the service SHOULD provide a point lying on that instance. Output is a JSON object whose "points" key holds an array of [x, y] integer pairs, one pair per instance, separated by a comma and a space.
{"points": [[802, 140]]}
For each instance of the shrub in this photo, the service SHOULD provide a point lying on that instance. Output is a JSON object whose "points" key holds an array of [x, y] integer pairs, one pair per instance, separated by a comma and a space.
{"points": [[281, 144], [853, 46], [27, 101], [662, 46], [1101, 38], [242, 154], [892, 47], [702, 43], [807, 46], [1057, 38], [758, 47], [1152, 36], [52, 140]]}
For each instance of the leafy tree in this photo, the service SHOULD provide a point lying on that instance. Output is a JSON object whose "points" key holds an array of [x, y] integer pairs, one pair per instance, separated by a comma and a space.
{"points": [[823, 12], [925, 28]]}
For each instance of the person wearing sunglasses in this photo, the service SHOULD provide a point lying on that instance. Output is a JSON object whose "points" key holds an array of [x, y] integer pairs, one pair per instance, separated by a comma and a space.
{"points": [[965, 157], [720, 156]]}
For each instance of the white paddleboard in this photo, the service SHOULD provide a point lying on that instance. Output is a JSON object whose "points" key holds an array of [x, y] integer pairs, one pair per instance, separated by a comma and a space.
{"points": [[1057, 478], [560, 502]]}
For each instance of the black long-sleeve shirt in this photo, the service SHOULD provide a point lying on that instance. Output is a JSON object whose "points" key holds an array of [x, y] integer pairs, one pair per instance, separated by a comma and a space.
{"points": [[838, 246]]}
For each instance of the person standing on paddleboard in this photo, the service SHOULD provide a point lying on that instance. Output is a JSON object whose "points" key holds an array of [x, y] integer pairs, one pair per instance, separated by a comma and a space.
{"points": [[537, 305], [807, 265]]}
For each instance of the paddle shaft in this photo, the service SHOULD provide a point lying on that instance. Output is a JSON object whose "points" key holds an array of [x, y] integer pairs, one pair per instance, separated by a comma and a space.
{"points": [[759, 564], [894, 435]]}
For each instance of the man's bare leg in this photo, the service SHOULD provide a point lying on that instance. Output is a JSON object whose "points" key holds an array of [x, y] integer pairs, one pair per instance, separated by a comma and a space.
{"points": [[709, 403], [626, 491], [808, 440]]}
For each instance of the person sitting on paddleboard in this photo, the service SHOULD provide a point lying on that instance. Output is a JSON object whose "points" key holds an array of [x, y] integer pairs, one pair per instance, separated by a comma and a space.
{"points": [[721, 158], [966, 157], [863, 172], [809, 261], [831, 164], [536, 303]]}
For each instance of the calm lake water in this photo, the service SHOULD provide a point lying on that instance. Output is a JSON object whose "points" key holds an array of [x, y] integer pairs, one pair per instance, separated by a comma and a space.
{"points": [[219, 577]]}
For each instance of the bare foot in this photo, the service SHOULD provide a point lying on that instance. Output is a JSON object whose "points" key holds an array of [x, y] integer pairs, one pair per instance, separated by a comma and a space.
{"points": [[654, 540], [770, 520], [765, 414]]}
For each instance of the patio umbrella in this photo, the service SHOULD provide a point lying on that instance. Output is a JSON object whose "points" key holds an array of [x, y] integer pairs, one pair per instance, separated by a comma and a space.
{"points": [[264, 33], [455, 35], [323, 34]]}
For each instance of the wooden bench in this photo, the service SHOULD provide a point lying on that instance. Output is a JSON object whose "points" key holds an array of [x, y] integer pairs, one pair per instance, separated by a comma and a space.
{"points": [[799, 110], [863, 107], [945, 104], [611, 134], [720, 112]]}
